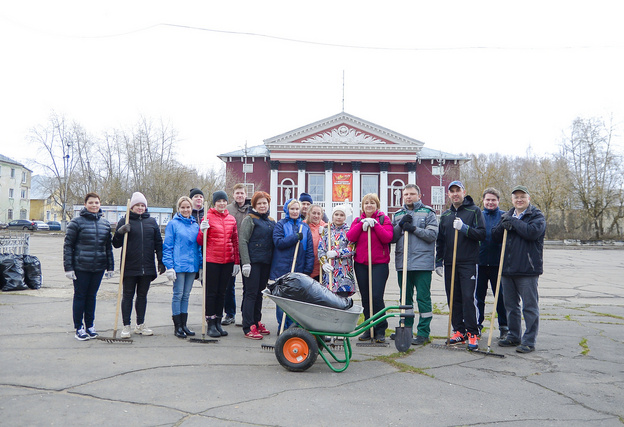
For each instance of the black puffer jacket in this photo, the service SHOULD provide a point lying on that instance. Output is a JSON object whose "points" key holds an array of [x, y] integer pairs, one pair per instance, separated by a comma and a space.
{"points": [[87, 245], [144, 240]]}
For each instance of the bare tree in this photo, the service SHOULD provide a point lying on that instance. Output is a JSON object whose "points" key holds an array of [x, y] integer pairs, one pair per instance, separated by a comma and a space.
{"points": [[595, 168]]}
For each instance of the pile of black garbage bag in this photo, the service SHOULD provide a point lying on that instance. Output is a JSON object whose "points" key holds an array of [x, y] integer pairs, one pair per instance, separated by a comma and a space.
{"points": [[301, 287], [19, 272]]}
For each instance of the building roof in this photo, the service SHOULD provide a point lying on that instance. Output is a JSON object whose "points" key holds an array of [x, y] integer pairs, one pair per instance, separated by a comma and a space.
{"points": [[325, 135], [5, 159], [38, 188]]}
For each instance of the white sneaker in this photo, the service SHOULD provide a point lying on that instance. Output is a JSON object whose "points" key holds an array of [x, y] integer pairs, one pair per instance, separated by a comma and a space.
{"points": [[125, 333], [142, 329]]}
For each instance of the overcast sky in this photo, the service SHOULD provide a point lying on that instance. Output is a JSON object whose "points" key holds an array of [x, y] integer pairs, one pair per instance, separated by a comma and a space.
{"points": [[477, 77]]}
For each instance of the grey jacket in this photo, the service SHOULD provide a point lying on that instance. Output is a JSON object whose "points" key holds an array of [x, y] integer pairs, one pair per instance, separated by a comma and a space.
{"points": [[421, 243]]}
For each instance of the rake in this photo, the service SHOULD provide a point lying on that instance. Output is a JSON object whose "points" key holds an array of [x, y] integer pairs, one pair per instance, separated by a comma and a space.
{"points": [[114, 339], [203, 339]]}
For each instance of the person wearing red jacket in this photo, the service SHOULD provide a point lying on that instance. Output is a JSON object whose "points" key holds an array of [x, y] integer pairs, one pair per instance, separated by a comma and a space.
{"points": [[222, 258], [381, 236]]}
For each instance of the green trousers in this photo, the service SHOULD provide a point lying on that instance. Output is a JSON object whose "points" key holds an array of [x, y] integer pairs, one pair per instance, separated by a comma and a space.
{"points": [[421, 280]]}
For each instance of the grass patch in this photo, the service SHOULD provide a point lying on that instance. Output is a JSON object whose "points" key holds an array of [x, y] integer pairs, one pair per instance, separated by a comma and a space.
{"points": [[584, 346], [438, 310], [402, 367], [614, 316]]}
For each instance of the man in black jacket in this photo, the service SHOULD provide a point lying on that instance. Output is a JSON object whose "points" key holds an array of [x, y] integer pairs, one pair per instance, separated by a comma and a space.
{"points": [[465, 218], [522, 266]]}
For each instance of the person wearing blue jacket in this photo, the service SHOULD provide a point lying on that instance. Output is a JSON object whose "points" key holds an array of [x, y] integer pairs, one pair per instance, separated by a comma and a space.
{"points": [[181, 257], [489, 260], [286, 235], [522, 265]]}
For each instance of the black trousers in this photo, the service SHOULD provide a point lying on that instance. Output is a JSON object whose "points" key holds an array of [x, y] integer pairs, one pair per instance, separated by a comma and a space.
{"points": [[253, 286], [218, 277], [489, 273], [465, 312], [140, 285], [380, 277]]}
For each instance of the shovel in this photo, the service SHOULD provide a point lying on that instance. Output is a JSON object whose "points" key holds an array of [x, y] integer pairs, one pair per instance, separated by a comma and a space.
{"points": [[403, 335], [203, 339]]}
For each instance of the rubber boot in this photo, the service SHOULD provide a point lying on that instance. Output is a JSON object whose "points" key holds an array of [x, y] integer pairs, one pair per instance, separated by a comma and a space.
{"points": [[212, 328], [177, 322], [187, 331], [219, 328]]}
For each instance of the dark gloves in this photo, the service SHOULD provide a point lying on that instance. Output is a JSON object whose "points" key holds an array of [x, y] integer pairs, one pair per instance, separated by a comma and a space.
{"points": [[300, 236], [406, 219], [507, 222], [409, 227], [161, 267], [124, 229]]}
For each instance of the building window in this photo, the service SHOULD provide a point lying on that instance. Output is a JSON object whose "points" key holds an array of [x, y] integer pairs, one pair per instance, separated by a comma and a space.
{"points": [[370, 184], [10, 193], [9, 214], [249, 189], [437, 196], [316, 188], [23, 194], [248, 168], [12, 173], [23, 214], [47, 215], [23, 176], [437, 170]]}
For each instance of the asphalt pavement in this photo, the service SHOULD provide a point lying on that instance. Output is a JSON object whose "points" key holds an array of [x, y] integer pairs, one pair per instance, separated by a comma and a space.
{"points": [[574, 378]]}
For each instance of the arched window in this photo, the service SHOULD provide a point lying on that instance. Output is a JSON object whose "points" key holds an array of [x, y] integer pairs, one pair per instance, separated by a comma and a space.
{"points": [[285, 190]]}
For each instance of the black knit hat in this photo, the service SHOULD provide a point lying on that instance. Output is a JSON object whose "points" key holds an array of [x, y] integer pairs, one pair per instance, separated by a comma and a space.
{"points": [[195, 191], [219, 195]]}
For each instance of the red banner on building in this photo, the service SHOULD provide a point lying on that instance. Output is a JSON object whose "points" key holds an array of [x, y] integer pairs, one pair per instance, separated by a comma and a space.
{"points": [[342, 187]]}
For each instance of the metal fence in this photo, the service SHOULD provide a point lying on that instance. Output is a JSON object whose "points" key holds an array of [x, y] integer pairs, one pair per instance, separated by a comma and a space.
{"points": [[14, 243]]}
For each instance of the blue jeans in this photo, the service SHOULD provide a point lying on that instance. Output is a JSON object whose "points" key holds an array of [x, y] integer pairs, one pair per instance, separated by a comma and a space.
{"points": [[516, 288], [181, 291], [86, 287]]}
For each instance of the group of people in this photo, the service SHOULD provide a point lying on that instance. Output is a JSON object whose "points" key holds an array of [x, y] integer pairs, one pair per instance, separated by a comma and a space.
{"points": [[242, 237]]}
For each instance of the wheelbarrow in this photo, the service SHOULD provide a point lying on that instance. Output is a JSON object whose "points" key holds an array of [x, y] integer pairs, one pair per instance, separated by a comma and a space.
{"points": [[298, 347]]}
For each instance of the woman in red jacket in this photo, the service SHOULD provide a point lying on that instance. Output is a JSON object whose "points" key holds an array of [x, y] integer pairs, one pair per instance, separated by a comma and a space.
{"points": [[222, 258], [381, 235]]}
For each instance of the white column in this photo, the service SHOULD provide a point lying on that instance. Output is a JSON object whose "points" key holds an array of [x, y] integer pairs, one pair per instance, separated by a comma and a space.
{"points": [[300, 179], [357, 181], [383, 186], [273, 187], [329, 167]]}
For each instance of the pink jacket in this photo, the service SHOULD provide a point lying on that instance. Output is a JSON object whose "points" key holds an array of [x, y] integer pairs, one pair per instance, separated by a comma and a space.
{"points": [[381, 236]]}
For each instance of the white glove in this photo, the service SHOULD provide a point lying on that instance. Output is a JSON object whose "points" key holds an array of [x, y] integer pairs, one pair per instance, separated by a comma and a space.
{"points": [[171, 274], [440, 271], [70, 275], [204, 225], [368, 222], [109, 274], [236, 270], [246, 270], [458, 224], [327, 268], [331, 254]]}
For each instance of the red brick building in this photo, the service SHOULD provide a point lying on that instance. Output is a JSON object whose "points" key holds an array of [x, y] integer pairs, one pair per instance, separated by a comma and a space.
{"points": [[343, 157]]}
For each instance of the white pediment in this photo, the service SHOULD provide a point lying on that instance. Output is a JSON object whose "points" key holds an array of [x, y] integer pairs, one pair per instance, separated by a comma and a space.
{"points": [[342, 130]]}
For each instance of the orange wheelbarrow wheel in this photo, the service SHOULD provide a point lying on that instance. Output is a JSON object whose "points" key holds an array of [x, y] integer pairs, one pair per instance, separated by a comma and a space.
{"points": [[296, 349]]}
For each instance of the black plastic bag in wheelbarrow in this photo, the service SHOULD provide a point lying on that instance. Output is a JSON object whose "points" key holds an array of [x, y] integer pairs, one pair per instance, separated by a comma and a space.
{"points": [[32, 271], [12, 272], [300, 287]]}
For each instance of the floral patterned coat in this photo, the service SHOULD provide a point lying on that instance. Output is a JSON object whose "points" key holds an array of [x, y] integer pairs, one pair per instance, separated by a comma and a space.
{"points": [[343, 276]]}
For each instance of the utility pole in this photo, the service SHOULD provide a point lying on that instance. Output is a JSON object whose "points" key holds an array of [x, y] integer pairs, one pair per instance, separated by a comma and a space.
{"points": [[66, 160]]}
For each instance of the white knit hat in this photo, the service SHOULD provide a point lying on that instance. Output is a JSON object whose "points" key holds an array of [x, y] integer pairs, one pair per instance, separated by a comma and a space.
{"points": [[137, 198], [344, 208]]}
